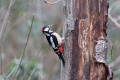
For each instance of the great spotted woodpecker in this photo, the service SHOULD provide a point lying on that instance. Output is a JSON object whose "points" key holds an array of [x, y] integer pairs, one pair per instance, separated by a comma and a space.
{"points": [[55, 41]]}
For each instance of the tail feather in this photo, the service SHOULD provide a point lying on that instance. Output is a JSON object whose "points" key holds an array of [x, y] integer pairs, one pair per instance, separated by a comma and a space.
{"points": [[62, 59]]}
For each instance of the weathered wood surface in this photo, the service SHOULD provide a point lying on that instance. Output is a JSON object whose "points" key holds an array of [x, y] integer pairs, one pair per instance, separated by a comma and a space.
{"points": [[89, 19]]}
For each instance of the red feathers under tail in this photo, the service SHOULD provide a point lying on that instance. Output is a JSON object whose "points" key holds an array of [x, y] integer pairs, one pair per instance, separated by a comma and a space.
{"points": [[61, 53]]}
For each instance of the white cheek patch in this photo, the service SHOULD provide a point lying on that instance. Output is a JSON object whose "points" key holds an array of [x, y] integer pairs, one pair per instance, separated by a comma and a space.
{"points": [[46, 29], [59, 39]]}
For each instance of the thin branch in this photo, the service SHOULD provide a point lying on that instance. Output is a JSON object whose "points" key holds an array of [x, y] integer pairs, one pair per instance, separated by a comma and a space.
{"points": [[113, 19], [115, 62], [116, 72], [22, 56], [3, 26], [10, 73], [52, 3], [1, 62], [29, 78], [6, 19]]}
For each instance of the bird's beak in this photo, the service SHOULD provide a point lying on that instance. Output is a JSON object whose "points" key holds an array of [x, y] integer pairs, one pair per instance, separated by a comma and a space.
{"points": [[50, 26]]}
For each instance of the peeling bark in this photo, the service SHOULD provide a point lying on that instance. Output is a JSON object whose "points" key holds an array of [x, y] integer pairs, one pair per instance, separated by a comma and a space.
{"points": [[85, 22]]}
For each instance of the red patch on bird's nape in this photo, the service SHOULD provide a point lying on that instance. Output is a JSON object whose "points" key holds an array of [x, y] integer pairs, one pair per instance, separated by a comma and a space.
{"points": [[43, 30]]}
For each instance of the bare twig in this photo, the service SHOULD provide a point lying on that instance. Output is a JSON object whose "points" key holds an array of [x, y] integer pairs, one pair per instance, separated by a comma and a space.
{"points": [[1, 62], [3, 26], [29, 78], [22, 56], [6, 18], [116, 72], [113, 19], [115, 62], [52, 3], [10, 73]]}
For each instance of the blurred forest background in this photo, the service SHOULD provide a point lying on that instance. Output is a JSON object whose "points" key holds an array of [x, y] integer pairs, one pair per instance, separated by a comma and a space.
{"points": [[40, 62]]}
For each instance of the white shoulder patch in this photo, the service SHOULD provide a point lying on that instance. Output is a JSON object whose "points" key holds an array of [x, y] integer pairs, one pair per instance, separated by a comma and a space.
{"points": [[58, 38]]}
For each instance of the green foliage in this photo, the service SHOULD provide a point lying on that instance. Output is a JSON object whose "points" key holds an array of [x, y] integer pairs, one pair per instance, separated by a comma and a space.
{"points": [[21, 13]]}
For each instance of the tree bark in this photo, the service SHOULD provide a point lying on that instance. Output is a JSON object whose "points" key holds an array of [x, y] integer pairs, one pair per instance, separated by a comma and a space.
{"points": [[85, 22]]}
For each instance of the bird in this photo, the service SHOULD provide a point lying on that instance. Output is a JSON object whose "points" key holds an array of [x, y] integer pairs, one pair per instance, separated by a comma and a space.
{"points": [[55, 41]]}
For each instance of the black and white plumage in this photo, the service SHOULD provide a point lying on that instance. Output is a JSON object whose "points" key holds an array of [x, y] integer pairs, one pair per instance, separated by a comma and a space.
{"points": [[54, 40]]}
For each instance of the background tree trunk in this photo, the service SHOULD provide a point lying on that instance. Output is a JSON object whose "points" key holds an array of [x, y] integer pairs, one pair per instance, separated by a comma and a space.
{"points": [[85, 23]]}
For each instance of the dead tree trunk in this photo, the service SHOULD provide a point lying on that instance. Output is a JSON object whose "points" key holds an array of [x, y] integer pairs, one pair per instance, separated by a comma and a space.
{"points": [[85, 24]]}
